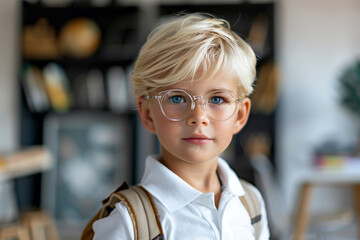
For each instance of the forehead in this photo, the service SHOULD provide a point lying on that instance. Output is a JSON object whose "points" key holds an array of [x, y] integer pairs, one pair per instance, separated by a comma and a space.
{"points": [[223, 80]]}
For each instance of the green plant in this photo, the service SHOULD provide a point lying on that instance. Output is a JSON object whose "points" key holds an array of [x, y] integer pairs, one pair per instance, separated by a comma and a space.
{"points": [[350, 88]]}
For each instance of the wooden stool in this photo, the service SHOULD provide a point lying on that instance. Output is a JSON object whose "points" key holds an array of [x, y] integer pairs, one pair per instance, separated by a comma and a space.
{"points": [[40, 225], [32, 226], [14, 231], [302, 217], [356, 190]]}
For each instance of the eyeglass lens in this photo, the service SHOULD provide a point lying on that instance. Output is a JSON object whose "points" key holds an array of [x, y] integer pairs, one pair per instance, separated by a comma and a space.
{"points": [[177, 105]]}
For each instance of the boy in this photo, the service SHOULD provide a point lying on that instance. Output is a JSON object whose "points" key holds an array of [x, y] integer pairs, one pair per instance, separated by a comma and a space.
{"points": [[191, 80]]}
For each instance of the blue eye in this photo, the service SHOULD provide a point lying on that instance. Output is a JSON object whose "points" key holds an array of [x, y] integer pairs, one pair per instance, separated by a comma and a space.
{"points": [[216, 100], [177, 99]]}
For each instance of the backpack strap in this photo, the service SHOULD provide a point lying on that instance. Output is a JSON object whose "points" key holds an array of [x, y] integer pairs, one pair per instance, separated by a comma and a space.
{"points": [[252, 205], [152, 224], [141, 208]]}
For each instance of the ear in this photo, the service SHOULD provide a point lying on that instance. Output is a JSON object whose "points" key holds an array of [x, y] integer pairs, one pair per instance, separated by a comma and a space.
{"points": [[242, 115], [145, 114]]}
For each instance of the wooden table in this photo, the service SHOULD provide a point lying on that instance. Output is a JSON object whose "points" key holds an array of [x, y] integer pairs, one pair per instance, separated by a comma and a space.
{"points": [[312, 178]]}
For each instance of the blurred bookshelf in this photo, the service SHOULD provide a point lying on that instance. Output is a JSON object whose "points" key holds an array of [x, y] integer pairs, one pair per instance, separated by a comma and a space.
{"points": [[75, 99]]}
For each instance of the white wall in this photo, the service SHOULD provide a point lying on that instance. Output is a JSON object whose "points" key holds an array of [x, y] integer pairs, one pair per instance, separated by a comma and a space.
{"points": [[316, 40], [8, 81]]}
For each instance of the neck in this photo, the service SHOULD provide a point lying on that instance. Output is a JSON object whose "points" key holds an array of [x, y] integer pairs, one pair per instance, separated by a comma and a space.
{"points": [[201, 176]]}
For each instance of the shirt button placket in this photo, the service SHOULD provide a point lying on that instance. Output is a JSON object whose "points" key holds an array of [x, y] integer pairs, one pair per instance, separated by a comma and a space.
{"points": [[210, 213]]}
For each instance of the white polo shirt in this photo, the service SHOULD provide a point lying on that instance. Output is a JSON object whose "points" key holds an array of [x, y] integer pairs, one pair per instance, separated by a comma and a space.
{"points": [[186, 213]]}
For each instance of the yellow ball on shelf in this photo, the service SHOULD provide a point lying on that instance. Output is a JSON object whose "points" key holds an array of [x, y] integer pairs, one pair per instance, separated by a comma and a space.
{"points": [[79, 38]]}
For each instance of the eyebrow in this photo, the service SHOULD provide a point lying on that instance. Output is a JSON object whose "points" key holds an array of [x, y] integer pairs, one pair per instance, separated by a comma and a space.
{"points": [[213, 90], [220, 90], [210, 91]]}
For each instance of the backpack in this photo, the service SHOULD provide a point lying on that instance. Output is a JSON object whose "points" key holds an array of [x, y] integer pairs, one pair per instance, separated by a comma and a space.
{"points": [[145, 217]]}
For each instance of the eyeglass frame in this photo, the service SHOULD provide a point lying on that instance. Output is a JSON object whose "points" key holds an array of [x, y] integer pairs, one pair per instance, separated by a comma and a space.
{"points": [[161, 94]]}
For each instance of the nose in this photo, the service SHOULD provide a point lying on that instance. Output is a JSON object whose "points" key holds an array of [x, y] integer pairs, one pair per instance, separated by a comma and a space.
{"points": [[198, 114]]}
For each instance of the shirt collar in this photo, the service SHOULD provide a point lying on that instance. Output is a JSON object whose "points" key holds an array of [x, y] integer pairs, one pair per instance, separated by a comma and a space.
{"points": [[173, 192], [229, 179]]}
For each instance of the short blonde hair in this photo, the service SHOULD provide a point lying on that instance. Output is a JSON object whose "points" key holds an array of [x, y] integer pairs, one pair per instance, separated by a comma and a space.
{"points": [[190, 46]]}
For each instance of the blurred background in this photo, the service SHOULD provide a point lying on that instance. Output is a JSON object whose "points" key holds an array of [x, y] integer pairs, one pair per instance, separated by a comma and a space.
{"points": [[69, 132]]}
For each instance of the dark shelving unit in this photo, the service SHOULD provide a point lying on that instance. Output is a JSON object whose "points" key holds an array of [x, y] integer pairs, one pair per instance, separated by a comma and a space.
{"points": [[109, 19]]}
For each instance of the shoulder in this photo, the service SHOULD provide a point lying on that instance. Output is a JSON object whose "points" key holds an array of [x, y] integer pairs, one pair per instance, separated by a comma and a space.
{"points": [[116, 226]]}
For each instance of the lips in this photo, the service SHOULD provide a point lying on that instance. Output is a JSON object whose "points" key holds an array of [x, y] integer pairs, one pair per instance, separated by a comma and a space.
{"points": [[198, 139]]}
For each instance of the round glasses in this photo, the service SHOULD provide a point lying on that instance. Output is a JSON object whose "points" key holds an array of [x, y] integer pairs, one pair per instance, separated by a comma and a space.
{"points": [[177, 104]]}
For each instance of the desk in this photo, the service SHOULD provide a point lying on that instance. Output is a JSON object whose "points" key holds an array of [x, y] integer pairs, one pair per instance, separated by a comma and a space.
{"points": [[312, 178]]}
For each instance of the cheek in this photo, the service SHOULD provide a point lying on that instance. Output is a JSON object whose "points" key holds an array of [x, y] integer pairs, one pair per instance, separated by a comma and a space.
{"points": [[168, 134], [225, 132], [157, 117], [164, 127]]}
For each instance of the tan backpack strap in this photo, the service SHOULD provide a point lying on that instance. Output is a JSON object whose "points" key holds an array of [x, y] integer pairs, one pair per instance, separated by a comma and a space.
{"points": [[252, 205], [242, 198], [88, 233], [142, 211], [153, 221], [132, 202], [141, 208]]}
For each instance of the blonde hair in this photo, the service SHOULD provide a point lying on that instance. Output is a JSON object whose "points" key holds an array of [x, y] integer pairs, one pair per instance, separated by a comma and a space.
{"points": [[190, 46]]}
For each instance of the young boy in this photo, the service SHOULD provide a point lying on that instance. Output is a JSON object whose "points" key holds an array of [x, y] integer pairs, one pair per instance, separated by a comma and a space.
{"points": [[191, 80]]}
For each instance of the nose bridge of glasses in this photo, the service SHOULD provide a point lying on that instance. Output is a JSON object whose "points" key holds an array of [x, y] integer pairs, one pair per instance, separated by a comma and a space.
{"points": [[202, 100]]}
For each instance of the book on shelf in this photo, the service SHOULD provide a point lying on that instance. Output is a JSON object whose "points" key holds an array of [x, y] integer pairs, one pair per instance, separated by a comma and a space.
{"points": [[95, 89], [34, 88], [57, 87], [117, 89]]}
